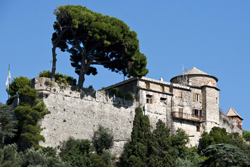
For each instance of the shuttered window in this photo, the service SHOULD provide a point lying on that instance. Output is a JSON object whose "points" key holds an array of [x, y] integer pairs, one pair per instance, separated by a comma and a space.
{"points": [[197, 97], [147, 85], [180, 94], [197, 112]]}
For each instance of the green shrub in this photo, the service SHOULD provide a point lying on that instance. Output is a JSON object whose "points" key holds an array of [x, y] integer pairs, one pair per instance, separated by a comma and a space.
{"points": [[118, 92], [76, 151], [59, 78], [129, 96], [103, 89], [102, 139]]}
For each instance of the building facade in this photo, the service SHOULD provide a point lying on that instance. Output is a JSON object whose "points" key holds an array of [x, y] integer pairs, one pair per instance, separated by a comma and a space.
{"points": [[189, 101]]}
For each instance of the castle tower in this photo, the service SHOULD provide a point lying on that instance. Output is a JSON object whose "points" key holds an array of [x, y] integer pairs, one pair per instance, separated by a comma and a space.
{"points": [[235, 117], [204, 95]]}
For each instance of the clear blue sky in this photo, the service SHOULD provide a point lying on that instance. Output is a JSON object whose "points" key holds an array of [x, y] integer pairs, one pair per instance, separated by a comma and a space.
{"points": [[213, 36]]}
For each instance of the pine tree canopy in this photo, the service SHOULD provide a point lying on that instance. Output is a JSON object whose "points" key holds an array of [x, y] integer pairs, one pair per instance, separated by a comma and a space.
{"points": [[95, 39]]}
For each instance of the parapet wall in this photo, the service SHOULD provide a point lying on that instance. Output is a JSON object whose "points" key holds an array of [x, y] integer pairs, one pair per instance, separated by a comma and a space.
{"points": [[78, 114]]}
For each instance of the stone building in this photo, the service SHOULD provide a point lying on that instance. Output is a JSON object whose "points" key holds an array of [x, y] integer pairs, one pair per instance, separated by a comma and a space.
{"points": [[189, 101]]}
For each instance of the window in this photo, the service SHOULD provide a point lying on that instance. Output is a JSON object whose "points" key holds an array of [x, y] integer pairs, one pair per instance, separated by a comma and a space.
{"points": [[197, 128], [197, 97], [163, 101], [171, 87], [197, 112], [180, 94], [181, 110], [149, 99], [147, 85], [162, 88]]}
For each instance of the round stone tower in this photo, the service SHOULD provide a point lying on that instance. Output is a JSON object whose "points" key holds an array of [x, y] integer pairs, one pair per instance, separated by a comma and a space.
{"points": [[204, 95]]}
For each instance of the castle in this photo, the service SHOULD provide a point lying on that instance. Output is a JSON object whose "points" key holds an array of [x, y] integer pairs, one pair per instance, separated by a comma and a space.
{"points": [[189, 101]]}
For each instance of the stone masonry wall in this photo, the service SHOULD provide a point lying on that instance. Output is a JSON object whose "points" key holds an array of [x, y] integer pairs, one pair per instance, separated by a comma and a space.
{"points": [[229, 124], [78, 114]]}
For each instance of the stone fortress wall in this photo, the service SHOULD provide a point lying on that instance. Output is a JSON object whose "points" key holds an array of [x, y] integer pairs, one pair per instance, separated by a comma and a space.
{"points": [[78, 113]]}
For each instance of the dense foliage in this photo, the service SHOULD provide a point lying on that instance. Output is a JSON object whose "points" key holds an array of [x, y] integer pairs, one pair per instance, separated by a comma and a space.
{"points": [[225, 155], [246, 135], [102, 139], [9, 156], [7, 123], [59, 78], [215, 136], [179, 141], [141, 140], [119, 93], [28, 112], [147, 148], [95, 39], [76, 152], [162, 151]]}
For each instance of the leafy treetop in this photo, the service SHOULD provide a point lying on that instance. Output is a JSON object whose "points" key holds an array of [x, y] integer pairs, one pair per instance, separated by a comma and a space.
{"points": [[95, 39], [215, 136]]}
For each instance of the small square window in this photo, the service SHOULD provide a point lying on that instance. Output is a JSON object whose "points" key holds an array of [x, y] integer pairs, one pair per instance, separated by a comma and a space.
{"points": [[181, 110], [149, 99], [163, 101]]}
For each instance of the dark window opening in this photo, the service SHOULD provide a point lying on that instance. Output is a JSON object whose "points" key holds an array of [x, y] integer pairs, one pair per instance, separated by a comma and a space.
{"points": [[197, 128], [163, 101], [149, 99]]}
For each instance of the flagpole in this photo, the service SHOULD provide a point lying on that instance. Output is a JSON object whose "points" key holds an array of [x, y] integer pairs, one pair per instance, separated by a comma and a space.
{"points": [[8, 86]]}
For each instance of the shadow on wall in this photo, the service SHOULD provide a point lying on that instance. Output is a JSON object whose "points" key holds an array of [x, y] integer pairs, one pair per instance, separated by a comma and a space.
{"points": [[117, 100]]}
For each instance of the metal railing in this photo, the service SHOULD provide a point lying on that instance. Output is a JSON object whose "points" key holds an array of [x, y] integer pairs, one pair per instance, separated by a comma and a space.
{"points": [[187, 116]]}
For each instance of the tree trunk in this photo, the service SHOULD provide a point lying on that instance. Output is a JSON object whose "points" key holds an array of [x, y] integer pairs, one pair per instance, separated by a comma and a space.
{"points": [[82, 73], [53, 71], [81, 79]]}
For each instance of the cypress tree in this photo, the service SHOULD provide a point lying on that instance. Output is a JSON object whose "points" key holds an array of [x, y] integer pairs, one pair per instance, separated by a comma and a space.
{"points": [[162, 153], [141, 139]]}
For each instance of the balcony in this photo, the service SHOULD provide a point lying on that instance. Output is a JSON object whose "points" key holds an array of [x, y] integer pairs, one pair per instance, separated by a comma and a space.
{"points": [[186, 116]]}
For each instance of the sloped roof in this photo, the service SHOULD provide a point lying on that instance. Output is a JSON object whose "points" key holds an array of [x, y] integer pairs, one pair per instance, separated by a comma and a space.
{"points": [[195, 71], [232, 113]]}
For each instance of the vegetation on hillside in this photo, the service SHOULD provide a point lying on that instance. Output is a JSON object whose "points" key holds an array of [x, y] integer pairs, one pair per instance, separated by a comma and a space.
{"points": [[146, 147]]}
